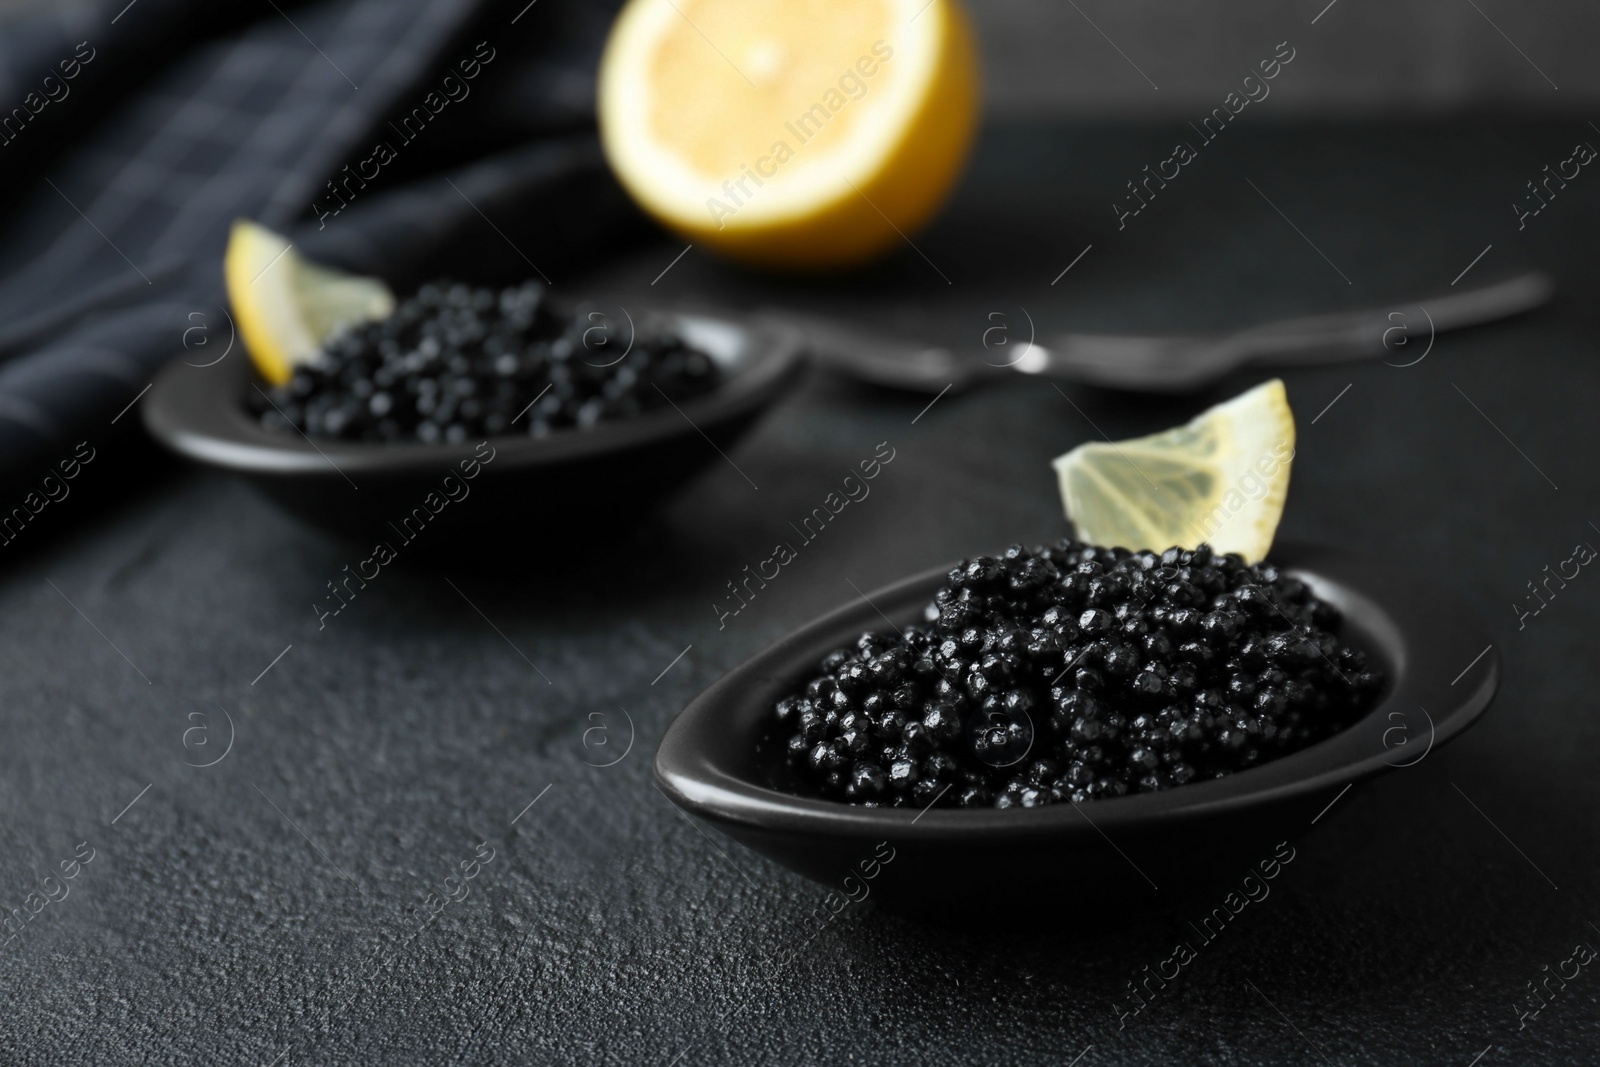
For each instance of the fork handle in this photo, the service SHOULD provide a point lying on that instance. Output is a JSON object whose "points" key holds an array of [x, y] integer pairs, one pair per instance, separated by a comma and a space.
{"points": [[1352, 335]]}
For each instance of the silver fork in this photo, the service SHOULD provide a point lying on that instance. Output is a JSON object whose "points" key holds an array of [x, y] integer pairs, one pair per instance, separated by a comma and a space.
{"points": [[1173, 363]]}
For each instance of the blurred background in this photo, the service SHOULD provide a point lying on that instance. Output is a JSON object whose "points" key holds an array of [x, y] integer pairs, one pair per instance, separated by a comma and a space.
{"points": [[115, 200], [1408, 58], [1416, 57]]}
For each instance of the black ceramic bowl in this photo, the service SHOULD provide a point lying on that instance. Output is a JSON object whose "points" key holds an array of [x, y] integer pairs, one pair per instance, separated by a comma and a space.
{"points": [[1141, 849], [533, 490]]}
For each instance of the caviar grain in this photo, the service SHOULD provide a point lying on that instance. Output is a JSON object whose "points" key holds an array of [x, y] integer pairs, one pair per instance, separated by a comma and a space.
{"points": [[455, 362], [1070, 673]]}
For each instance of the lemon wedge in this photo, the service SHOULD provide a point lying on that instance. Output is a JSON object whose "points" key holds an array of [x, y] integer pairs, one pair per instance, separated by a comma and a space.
{"points": [[789, 133], [285, 305], [1221, 479]]}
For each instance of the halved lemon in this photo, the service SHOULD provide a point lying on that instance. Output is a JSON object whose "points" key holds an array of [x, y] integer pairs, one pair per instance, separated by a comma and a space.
{"points": [[1221, 479], [285, 305], [791, 133]]}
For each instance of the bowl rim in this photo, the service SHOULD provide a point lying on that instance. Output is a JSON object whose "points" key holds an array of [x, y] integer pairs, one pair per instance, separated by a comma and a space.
{"points": [[195, 411], [1423, 636]]}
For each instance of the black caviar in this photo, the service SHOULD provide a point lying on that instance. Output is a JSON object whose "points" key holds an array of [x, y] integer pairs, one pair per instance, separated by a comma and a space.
{"points": [[1070, 673], [457, 363]]}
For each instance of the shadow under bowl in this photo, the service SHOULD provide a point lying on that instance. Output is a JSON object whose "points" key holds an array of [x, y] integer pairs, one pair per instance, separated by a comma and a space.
{"points": [[524, 492], [1151, 849]]}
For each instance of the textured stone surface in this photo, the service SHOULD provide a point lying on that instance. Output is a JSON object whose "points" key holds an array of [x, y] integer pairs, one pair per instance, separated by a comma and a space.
{"points": [[264, 907]]}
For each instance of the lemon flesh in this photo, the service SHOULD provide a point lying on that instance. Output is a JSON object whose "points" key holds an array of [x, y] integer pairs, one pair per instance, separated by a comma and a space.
{"points": [[789, 133], [1221, 479], [286, 306]]}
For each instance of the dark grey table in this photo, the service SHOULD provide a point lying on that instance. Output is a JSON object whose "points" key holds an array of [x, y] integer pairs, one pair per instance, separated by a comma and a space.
{"points": [[273, 907]]}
